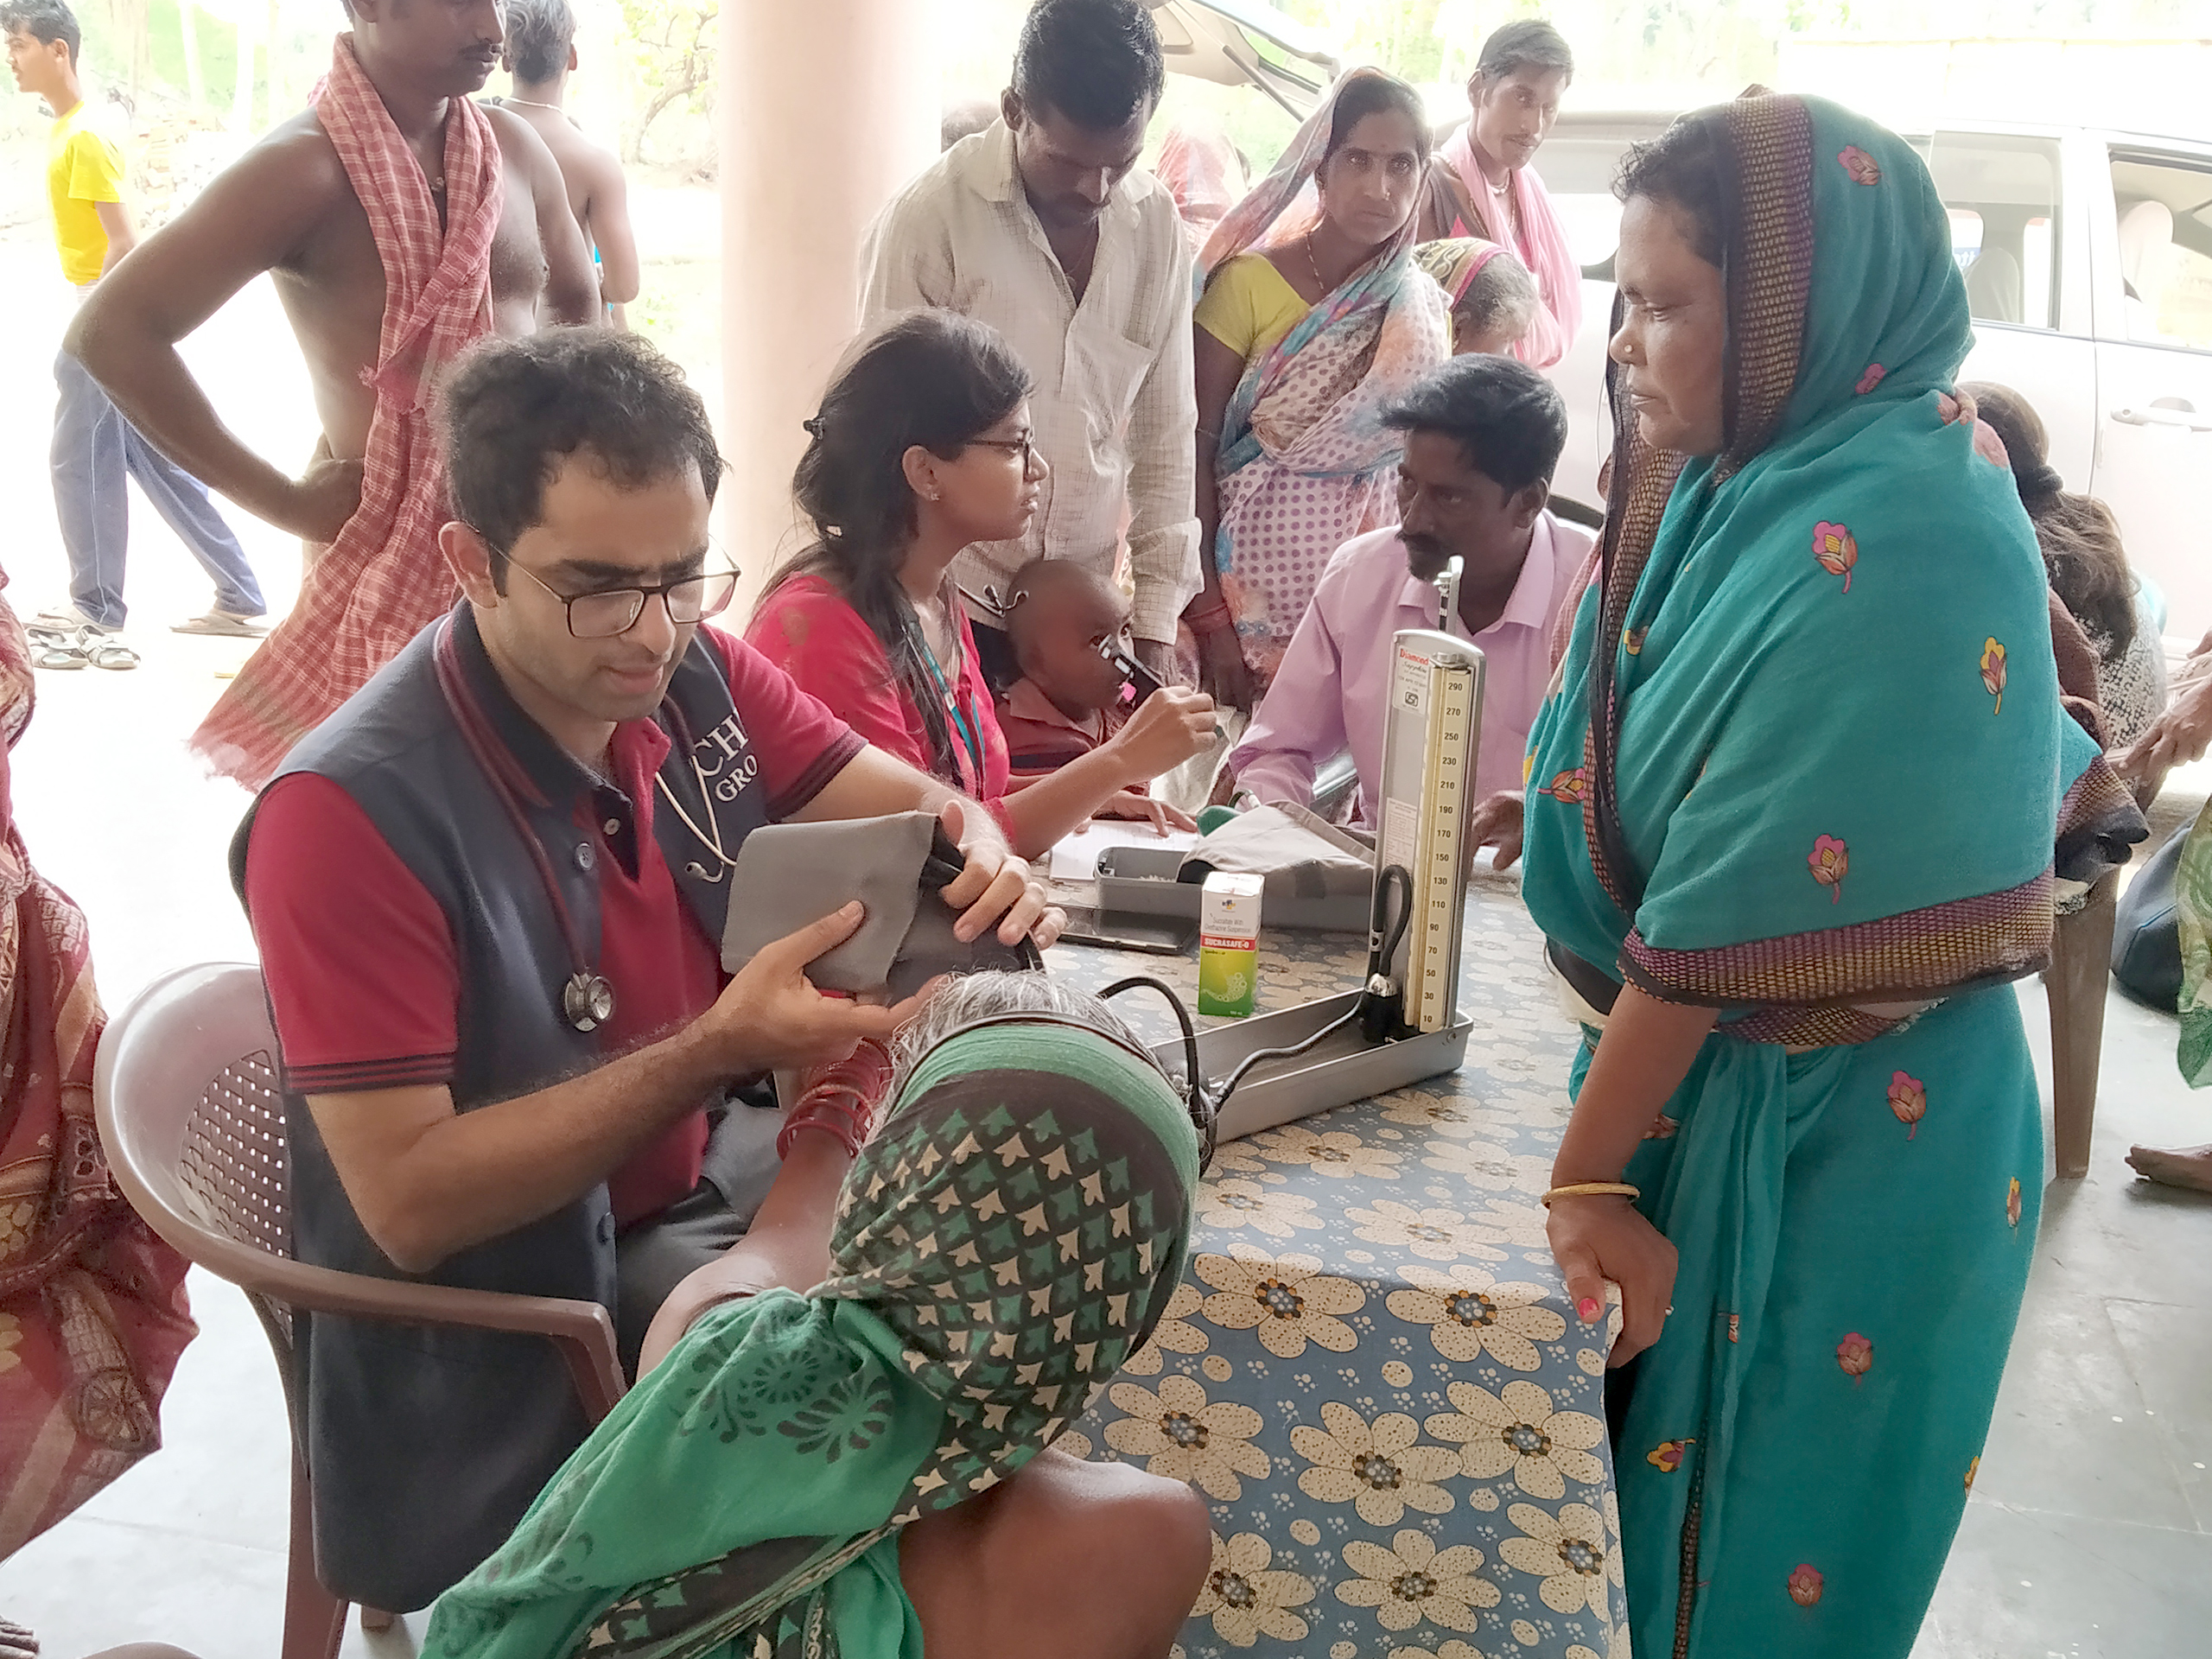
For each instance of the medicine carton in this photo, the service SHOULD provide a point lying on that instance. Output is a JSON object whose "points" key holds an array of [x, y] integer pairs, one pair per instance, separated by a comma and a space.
{"points": [[1229, 943]]}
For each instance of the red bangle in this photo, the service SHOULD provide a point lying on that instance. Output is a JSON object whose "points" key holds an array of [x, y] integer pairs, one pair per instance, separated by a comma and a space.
{"points": [[1212, 619]]}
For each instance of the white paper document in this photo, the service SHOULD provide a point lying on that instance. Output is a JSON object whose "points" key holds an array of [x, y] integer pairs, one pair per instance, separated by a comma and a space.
{"points": [[1075, 857]]}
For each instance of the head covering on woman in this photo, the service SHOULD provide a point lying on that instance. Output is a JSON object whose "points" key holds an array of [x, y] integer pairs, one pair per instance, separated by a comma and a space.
{"points": [[1006, 1240], [1508, 302], [1806, 767], [1303, 445], [2088, 570]]}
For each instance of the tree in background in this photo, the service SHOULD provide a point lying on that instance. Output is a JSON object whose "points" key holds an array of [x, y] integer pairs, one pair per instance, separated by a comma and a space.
{"points": [[675, 42]]}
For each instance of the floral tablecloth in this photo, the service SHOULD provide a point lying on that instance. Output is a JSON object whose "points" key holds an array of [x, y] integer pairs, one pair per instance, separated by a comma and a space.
{"points": [[1372, 1371]]}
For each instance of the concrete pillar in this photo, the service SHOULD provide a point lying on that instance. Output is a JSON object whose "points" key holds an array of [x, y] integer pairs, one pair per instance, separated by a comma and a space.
{"points": [[828, 107]]}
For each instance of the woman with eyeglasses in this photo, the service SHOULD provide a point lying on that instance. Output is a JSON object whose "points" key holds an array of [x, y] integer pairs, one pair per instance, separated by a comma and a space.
{"points": [[921, 447]]}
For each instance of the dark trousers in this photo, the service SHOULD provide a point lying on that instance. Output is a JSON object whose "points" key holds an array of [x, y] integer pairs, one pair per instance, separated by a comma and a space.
{"points": [[657, 1255], [96, 452]]}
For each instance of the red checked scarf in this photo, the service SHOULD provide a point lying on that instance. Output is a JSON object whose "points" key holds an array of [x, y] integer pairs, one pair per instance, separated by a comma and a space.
{"points": [[93, 1312], [382, 580]]}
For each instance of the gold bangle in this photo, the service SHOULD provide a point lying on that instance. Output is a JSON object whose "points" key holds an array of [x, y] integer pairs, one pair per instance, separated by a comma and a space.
{"points": [[1594, 1190]]}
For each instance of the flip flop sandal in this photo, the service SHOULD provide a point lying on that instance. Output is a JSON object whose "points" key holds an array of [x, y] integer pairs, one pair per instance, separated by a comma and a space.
{"points": [[107, 652], [222, 624], [55, 652]]}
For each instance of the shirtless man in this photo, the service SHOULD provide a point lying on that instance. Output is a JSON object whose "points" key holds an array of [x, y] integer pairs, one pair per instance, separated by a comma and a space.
{"points": [[287, 207], [541, 55]]}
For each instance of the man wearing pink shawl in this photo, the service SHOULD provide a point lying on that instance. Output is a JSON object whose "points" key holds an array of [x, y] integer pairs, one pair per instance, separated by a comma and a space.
{"points": [[400, 221], [1482, 183]]}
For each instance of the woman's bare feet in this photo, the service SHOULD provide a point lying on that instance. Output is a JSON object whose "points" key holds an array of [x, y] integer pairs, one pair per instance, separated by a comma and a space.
{"points": [[2190, 1167]]}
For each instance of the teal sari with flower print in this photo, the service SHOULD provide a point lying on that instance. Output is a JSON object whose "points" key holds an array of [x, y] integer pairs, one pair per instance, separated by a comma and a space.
{"points": [[1819, 791]]}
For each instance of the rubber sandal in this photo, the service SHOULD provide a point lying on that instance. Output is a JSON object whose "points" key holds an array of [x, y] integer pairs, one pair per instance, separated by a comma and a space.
{"points": [[50, 651], [226, 624], [106, 651], [841, 1099]]}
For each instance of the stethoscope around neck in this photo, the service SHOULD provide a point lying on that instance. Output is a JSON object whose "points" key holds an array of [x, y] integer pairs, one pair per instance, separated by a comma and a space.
{"points": [[587, 996]]}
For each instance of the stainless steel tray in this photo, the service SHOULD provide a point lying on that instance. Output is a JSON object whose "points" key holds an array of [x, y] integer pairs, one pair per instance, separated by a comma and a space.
{"points": [[1344, 1068]]}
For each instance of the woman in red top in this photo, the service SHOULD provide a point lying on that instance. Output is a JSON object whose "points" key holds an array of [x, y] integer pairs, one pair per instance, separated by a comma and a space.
{"points": [[923, 446]]}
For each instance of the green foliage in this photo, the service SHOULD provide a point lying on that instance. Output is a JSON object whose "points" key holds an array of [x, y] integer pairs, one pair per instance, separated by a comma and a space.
{"points": [[674, 44], [219, 50]]}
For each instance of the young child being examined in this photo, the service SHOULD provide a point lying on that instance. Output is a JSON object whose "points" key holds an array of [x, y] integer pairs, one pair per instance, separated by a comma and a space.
{"points": [[1069, 699]]}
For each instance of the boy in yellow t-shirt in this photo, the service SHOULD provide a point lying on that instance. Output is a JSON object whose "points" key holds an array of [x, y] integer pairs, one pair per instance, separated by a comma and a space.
{"points": [[96, 451]]}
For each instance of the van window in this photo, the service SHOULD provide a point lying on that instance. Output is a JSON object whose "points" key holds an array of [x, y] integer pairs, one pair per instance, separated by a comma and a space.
{"points": [[1576, 164], [2164, 206], [2001, 192]]}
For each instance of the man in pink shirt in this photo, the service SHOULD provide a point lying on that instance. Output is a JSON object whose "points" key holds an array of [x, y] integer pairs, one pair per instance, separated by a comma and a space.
{"points": [[1483, 435]]}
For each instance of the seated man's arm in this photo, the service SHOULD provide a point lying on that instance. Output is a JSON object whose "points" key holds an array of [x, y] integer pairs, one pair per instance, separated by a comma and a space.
{"points": [[1299, 725], [252, 217], [369, 1035]]}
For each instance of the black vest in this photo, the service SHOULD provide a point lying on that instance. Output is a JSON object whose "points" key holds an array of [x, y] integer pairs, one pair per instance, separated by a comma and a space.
{"points": [[426, 1444]]}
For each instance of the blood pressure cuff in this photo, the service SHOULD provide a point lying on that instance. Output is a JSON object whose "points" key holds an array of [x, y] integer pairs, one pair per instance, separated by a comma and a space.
{"points": [[788, 875]]}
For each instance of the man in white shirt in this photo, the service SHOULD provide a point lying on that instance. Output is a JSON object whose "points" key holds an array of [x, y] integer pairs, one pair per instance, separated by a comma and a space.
{"points": [[1040, 227], [1483, 435]]}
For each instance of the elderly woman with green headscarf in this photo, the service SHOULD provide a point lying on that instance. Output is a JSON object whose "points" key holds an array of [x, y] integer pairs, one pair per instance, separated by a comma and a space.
{"points": [[1790, 828], [848, 1473]]}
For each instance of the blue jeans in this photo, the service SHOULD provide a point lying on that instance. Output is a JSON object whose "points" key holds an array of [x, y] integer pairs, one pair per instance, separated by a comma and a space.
{"points": [[96, 452]]}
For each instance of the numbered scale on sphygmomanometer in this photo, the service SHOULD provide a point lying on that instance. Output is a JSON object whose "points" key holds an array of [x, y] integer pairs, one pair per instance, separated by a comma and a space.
{"points": [[1428, 767]]}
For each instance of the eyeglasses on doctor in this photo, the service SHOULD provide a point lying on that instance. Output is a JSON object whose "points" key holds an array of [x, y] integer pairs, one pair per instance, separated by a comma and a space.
{"points": [[606, 612]]}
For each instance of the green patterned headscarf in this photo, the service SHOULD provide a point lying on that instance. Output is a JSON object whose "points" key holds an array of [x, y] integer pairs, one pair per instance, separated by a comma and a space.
{"points": [[1002, 1245]]}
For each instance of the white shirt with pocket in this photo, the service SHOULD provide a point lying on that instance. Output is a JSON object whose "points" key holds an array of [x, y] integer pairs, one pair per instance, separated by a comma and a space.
{"points": [[1112, 410]]}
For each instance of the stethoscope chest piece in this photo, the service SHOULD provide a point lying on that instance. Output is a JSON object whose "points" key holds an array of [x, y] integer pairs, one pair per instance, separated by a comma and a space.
{"points": [[588, 1001]]}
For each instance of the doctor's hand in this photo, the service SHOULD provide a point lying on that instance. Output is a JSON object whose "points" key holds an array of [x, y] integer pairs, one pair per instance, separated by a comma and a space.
{"points": [[771, 1018], [995, 885], [1496, 823]]}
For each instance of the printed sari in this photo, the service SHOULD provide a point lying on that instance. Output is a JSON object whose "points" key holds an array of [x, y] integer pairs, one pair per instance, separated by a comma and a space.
{"points": [[93, 1309], [1807, 764], [1010, 1236], [1305, 463]]}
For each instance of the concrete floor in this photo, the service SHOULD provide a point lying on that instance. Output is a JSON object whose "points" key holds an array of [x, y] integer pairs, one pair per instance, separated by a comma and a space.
{"points": [[2089, 1535]]}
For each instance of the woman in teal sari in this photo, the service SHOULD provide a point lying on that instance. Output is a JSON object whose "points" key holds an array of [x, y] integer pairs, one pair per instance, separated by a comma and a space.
{"points": [[838, 1474], [1789, 830]]}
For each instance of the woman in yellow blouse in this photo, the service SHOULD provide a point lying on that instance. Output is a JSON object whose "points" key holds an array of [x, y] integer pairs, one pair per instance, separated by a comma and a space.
{"points": [[1313, 318]]}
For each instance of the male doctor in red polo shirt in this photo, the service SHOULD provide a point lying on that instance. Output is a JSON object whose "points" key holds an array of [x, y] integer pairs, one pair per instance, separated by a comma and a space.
{"points": [[477, 1131]]}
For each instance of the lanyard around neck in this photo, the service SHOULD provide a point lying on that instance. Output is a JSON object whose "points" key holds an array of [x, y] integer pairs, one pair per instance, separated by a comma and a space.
{"points": [[971, 739]]}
